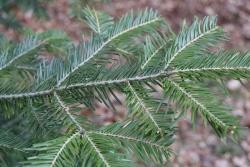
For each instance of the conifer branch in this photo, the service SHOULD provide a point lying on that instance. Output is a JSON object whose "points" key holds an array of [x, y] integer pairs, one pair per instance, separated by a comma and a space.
{"points": [[205, 69], [144, 108], [24, 49], [97, 151], [198, 103], [132, 139], [161, 62], [188, 44], [67, 110], [61, 150], [153, 55], [85, 85], [112, 37]]}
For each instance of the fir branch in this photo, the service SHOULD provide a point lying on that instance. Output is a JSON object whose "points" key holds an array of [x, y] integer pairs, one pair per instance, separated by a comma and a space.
{"points": [[232, 64], [140, 77], [25, 95], [61, 150], [141, 106], [132, 139], [191, 40], [188, 44], [99, 22], [97, 150], [154, 46], [26, 47], [168, 63], [199, 99], [67, 110], [53, 152], [120, 29], [11, 142], [198, 103]]}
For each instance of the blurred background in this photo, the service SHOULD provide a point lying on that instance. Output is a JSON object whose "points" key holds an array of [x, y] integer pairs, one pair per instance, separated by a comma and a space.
{"points": [[194, 147]]}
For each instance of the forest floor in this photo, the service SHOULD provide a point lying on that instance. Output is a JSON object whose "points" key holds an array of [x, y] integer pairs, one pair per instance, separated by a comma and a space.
{"points": [[197, 147]]}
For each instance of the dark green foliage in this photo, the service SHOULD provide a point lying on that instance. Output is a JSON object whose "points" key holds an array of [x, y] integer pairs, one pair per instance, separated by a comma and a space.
{"points": [[137, 55], [9, 7]]}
